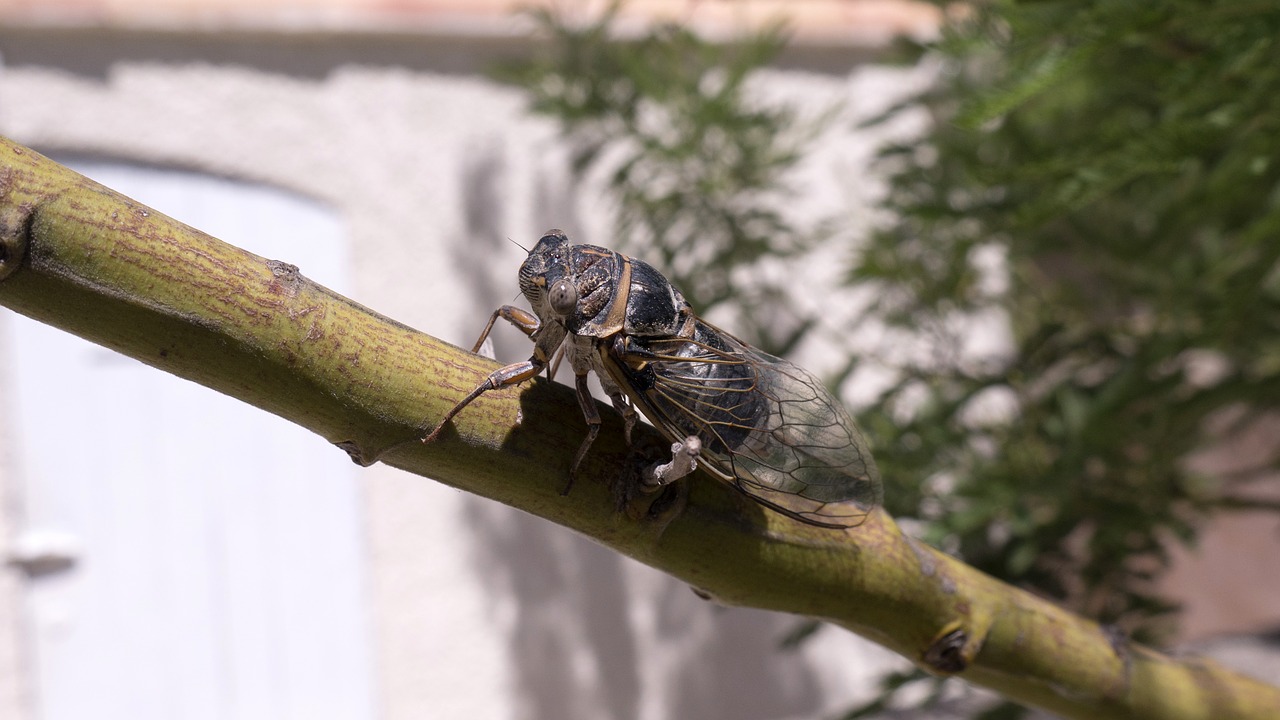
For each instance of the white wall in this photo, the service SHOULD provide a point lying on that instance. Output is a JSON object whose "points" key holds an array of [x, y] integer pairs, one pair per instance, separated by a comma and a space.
{"points": [[479, 610], [188, 555]]}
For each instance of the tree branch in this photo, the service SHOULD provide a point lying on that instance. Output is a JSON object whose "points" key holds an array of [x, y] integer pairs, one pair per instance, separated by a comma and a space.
{"points": [[83, 258]]}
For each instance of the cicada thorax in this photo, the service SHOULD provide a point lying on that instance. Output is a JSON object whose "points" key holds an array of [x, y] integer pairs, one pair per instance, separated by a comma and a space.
{"points": [[618, 294], [654, 307], [598, 275]]}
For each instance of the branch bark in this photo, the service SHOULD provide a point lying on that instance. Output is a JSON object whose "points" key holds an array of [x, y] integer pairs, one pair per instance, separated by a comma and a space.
{"points": [[81, 257]]}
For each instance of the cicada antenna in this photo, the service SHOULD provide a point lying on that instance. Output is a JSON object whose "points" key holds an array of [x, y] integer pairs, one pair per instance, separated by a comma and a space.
{"points": [[526, 251]]}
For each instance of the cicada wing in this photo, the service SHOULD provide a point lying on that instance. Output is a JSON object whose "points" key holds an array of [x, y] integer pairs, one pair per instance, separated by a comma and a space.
{"points": [[808, 457], [766, 425]]}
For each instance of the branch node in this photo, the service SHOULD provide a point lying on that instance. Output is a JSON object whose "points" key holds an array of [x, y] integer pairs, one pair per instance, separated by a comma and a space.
{"points": [[286, 278], [352, 449], [946, 654], [15, 235]]}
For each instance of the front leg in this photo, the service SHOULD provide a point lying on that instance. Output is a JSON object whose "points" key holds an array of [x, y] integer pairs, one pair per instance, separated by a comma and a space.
{"points": [[502, 377], [546, 337], [524, 321]]}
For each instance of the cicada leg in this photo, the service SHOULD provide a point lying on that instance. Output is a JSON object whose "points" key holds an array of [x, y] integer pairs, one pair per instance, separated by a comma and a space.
{"points": [[621, 404], [512, 374], [592, 417], [684, 460], [527, 323], [554, 367], [628, 412], [524, 320]]}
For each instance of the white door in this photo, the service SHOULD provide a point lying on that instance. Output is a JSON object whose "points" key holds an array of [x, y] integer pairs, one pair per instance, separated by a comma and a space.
{"points": [[189, 556]]}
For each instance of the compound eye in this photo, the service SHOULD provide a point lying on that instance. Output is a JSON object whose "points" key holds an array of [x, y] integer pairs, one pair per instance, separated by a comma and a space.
{"points": [[563, 297]]}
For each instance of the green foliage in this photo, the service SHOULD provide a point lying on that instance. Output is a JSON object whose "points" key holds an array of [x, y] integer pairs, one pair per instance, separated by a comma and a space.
{"points": [[1119, 159], [695, 170]]}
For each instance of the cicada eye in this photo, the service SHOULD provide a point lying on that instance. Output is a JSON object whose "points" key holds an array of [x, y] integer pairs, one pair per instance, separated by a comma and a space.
{"points": [[563, 297]]}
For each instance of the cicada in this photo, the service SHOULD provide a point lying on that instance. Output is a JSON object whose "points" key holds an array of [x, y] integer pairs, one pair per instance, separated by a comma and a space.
{"points": [[767, 427]]}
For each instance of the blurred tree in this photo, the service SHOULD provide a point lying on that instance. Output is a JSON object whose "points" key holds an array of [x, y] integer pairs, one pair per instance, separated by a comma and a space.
{"points": [[1099, 178], [1105, 177]]}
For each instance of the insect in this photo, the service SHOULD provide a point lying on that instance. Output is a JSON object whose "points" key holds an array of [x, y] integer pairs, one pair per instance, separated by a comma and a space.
{"points": [[766, 426]]}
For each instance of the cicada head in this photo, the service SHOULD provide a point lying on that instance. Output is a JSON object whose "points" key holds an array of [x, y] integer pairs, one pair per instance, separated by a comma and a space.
{"points": [[584, 288], [546, 269]]}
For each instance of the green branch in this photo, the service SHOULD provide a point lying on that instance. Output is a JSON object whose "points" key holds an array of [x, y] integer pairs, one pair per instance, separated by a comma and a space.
{"points": [[90, 261]]}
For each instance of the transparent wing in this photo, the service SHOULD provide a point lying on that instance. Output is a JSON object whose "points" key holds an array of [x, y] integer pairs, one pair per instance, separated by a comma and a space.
{"points": [[766, 425]]}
